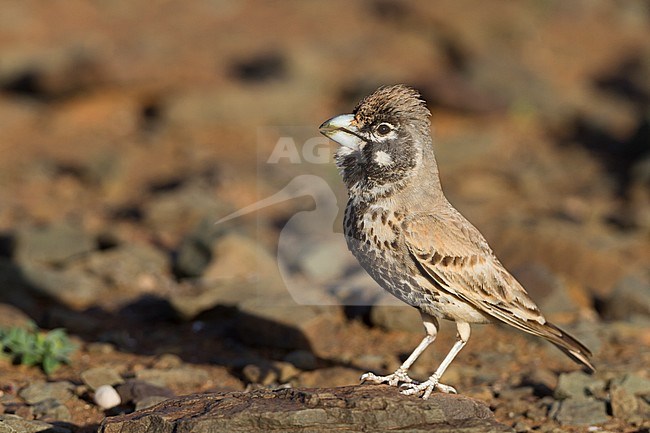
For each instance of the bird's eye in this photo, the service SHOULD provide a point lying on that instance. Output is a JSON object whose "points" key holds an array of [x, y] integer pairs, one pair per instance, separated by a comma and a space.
{"points": [[384, 128]]}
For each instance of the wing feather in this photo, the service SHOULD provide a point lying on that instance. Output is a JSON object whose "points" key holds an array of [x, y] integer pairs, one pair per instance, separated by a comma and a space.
{"points": [[454, 256]]}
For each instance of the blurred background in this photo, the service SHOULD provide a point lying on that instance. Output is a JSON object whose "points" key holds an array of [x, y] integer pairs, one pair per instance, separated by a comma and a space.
{"points": [[128, 128]]}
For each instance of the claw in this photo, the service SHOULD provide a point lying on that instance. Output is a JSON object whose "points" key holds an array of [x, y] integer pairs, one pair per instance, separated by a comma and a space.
{"points": [[426, 388], [446, 389], [370, 377], [392, 379]]}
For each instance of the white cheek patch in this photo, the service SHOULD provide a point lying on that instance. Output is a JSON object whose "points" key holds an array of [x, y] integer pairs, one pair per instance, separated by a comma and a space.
{"points": [[382, 158]]}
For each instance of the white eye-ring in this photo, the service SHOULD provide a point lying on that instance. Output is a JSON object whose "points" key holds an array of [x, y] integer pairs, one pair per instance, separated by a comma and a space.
{"points": [[384, 128]]}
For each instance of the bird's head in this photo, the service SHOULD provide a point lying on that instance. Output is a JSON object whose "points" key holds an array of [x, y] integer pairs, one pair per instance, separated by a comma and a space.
{"points": [[382, 140]]}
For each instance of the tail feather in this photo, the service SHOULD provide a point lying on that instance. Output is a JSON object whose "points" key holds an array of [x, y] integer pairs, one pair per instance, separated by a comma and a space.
{"points": [[565, 342], [570, 346]]}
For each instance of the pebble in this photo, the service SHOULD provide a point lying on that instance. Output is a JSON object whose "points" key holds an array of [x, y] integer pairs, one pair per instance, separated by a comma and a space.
{"points": [[14, 423], [71, 287], [134, 390], [581, 411], [633, 384], [577, 385], [98, 376], [107, 397], [39, 391], [624, 405], [52, 410], [186, 377], [52, 244]]}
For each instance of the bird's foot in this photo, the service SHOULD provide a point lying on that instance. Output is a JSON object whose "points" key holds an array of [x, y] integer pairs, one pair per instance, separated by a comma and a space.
{"points": [[394, 379], [426, 388]]}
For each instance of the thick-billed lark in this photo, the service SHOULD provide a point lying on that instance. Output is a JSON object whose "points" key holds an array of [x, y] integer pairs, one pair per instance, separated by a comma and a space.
{"points": [[414, 243]]}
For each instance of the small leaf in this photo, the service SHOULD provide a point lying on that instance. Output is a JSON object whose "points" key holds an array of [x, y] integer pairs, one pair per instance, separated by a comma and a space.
{"points": [[50, 364], [29, 359]]}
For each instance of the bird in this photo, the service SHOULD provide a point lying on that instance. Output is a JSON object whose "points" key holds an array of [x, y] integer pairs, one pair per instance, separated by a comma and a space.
{"points": [[404, 232]]}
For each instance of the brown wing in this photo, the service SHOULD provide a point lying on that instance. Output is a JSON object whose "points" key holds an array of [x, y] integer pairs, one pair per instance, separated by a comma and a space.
{"points": [[454, 256]]}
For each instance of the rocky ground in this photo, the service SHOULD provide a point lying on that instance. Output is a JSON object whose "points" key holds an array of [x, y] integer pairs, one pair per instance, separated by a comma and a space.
{"points": [[129, 130]]}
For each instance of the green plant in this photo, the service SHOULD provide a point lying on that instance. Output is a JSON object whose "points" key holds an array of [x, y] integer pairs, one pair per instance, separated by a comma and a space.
{"points": [[29, 346]]}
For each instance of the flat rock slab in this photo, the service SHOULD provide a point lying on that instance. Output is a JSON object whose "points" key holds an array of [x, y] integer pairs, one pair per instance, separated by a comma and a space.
{"points": [[350, 409]]}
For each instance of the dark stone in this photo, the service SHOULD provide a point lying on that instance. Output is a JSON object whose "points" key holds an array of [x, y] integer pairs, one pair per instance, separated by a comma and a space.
{"points": [[581, 412], [51, 410], [353, 409], [134, 390]]}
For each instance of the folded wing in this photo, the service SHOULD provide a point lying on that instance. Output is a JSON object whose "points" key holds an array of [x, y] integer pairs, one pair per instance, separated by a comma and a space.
{"points": [[454, 256]]}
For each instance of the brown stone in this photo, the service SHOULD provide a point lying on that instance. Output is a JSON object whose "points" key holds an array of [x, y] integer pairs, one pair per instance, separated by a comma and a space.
{"points": [[353, 409]]}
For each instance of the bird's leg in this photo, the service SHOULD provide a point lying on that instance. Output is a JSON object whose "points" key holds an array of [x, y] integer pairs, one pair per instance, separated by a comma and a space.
{"points": [[427, 387], [401, 374]]}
